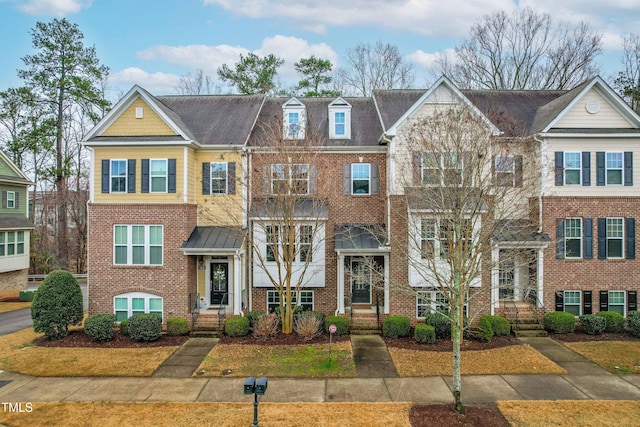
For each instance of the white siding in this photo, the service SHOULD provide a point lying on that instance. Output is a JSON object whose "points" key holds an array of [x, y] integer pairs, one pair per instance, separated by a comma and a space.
{"points": [[579, 117]]}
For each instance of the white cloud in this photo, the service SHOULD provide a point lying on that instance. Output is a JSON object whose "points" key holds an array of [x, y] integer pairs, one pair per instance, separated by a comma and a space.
{"points": [[58, 8], [292, 49], [157, 83]]}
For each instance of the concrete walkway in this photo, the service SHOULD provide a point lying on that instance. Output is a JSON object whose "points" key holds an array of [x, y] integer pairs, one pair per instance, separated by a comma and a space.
{"points": [[584, 381], [371, 357], [184, 362]]}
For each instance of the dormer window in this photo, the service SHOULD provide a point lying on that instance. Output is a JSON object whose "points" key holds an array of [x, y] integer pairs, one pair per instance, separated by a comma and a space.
{"points": [[294, 117], [340, 119]]}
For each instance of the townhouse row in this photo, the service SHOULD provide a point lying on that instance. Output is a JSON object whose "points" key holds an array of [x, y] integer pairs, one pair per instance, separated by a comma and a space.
{"points": [[189, 197]]}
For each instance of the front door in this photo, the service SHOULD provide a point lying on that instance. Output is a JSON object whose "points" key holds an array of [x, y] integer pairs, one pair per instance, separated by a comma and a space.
{"points": [[360, 281], [219, 283]]}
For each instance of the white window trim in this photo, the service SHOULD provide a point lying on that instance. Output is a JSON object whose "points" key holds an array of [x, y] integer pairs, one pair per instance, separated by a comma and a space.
{"points": [[621, 238], [166, 175], [288, 176], [226, 177], [623, 303], [368, 193], [437, 238], [436, 299], [126, 175], [606, 168], [11, 199], [441, 169], [147, 245], [274, 296], [581, 238], [294, 106], [579, 303], [298, 244], [4, 243], [565, 168], [511, 171], [131, 295]]}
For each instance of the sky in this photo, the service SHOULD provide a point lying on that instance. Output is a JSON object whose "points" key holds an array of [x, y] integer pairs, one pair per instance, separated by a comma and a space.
{"points": [[153, 43]]}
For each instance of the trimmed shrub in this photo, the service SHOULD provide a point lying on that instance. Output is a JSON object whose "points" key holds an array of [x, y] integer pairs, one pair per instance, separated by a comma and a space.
{"points": [[266, 326], [124, 327], [342, 325], [26, 295], [559, 322], [307, 325], [177, 326], [317, 314], [614, 321], [100, 327], [633, 320], [500, 325], [424, 334], [592, 324], [145, 327], [237, 326], [485, 330], [57, 304], [396, 326], [441, 324], [253, 315]]}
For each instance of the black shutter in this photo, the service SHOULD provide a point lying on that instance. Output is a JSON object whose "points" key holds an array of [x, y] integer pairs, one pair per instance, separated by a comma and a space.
{"points": [[266, 179], [586, 168], [600, 168], [144, 185], [171, 184], [586, 302], [630, 238], [375, 179], [559, 300], [632, 301], [313, 179], [131, 176], [346, 178], [231, 177], [602, 238], [604, 300], [4, 199], [206, 178], [559, 165], [417, 168], [559, 238], [518, 170], [16, 201], [587, 241], [105, 176], [628, 168]]}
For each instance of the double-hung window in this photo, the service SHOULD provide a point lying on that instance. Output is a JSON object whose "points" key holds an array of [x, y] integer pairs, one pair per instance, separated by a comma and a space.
{"points": [[440, 236], [138, 244], [290, 179], [126, 305], [616, 301], [305, 301], [279, 244], [442, 169], [572, 302], [428, 238], [339, 123], [11, 199], [615, 237], [306, 243], [293, 124], [219, 179], [11, 243], [505, 171], [573, 237], [572, 168], [118, 171], [434, 301], [158, 175], [614, 168], [360, 178]]}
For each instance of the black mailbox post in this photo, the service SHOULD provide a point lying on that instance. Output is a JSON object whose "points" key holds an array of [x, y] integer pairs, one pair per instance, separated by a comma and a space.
{"points": [[255, 387]]}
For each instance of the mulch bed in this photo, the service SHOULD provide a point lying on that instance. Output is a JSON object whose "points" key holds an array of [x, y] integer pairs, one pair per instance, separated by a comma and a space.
{"points": [[444, 415], [282, 339], [77, 338], [468, 344], [580, 336]]}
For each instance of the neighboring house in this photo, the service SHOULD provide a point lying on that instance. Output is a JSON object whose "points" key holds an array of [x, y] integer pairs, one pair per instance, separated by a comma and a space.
{"points": [[180, 182], [15, 227]]}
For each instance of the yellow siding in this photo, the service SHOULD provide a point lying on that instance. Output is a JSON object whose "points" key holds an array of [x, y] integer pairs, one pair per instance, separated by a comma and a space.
{"points": [[138, 154], [217, 209], [128, 125], [579, 117]]}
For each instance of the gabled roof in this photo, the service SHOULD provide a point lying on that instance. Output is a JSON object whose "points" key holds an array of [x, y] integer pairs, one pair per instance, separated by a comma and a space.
{"points": [[17, 176]]}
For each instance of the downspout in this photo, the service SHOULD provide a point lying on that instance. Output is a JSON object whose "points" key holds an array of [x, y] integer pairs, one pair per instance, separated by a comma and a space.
{"points": [[543, 175], [390, 174], [337, 286]]}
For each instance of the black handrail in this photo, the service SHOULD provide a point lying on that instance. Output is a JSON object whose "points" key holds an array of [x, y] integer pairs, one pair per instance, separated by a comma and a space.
{"points": [[222, 309], [378, 309], [193, 306], [515, 324]]}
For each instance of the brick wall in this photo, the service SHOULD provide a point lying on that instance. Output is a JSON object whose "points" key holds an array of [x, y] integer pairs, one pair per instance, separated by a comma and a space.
{"points": [[173, 281], [11, 282]]}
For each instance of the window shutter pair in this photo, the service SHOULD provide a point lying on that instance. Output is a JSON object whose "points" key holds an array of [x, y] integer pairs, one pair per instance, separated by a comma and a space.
{"points": [[587, 238], [586, 168], [266, 179], [374, 179], [517, 160], [587, 301], [629, 238], [206, 178], [601, 168], [171, 178], [131, 176], [16, 200]]}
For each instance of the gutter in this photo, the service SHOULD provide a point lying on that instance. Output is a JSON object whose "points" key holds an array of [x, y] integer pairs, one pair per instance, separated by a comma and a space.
{"points": [[543, 174]]}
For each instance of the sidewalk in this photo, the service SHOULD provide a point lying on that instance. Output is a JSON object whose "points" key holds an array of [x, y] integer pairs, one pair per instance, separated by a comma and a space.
{"points": [[584, 381]]}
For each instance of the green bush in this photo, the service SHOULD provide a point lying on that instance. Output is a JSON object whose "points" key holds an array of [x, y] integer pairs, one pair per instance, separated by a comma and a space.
{"points": [[237, 326], [100, 327], [592, 324], [396, 326], [614, 321], [177, 326], [145, 327], [124, 327], [485, 330], [57, 304], [253, 315], [342, 325], [424, 334], [559, 322], [500, 325], [441, 324], [633, 319], [26, 295]]}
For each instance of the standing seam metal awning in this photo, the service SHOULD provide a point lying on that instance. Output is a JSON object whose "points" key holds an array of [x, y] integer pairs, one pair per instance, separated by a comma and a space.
{"points": [[213, 239], [360, 238]]}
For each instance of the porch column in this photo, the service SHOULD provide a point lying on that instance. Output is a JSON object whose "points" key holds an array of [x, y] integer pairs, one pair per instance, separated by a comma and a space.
{"points": [[340, 281], [237, 284], [540, 274], [495, 279], [386, 284]]}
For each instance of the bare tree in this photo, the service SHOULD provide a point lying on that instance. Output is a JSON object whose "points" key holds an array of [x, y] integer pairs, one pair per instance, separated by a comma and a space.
{"points": [[196, 83], [628, 81], [525, 50], [378, 66]]}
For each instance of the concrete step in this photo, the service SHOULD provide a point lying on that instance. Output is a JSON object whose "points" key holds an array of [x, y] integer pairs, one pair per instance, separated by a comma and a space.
{"points": [[204, 333], [531, 333], [365, 332]]}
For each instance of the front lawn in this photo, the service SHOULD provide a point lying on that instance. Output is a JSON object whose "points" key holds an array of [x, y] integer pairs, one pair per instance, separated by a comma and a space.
{"points": [[618, 357]]}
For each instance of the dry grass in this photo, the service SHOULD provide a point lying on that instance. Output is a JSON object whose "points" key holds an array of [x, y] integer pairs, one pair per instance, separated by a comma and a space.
{"points": [[18, 355], [584, 413], [211, 414], [12, 306], [284, 361], [517, 359], [609, 354]]}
